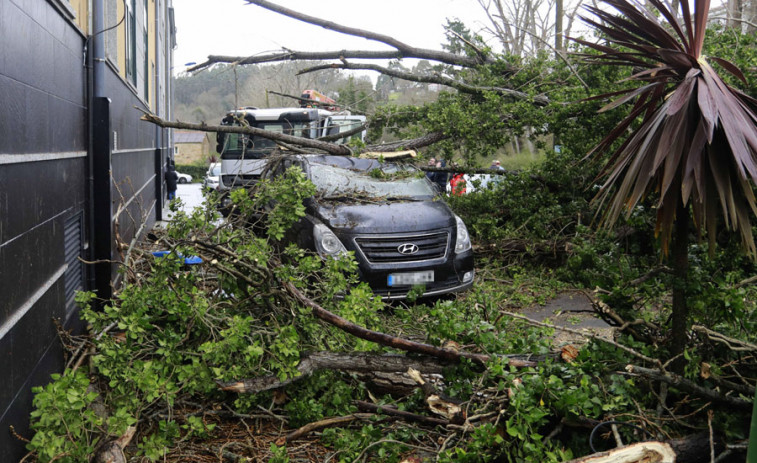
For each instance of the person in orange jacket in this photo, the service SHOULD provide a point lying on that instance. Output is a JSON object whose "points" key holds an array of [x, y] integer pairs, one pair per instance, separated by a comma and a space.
{"points": [[458, 185]]}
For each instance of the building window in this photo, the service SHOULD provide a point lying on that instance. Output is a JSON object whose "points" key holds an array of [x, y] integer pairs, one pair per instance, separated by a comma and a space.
{"points": [[131, 42]]}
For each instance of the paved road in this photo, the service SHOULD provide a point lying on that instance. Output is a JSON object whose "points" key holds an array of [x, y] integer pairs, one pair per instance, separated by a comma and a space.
{"points": [[191, 195]]}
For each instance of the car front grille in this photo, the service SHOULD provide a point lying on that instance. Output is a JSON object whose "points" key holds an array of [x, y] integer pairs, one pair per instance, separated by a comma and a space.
{"points": [[381, 250]]}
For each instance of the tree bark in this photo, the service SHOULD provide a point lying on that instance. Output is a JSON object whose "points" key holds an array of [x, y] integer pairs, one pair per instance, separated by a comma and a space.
{"points": [[680, 265], [361, 363]]}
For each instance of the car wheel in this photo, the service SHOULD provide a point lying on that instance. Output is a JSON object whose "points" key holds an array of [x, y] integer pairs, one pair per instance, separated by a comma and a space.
{"points": [[182, 180]]}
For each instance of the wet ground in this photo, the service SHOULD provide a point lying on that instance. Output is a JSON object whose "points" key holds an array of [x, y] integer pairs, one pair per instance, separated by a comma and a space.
{"points": [[191, 197], [570, 310]]}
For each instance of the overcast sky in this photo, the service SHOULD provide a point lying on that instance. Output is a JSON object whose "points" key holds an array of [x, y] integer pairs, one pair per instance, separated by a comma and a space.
{"points": [[232, 27]]}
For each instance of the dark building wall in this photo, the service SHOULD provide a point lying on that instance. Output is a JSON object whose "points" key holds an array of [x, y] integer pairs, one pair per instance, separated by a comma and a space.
{"points": [[44, 189], [42, 185], [43, 167]]}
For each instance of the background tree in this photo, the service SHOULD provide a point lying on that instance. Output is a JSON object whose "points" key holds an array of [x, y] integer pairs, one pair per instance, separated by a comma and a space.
{"points": [[527, 27]]}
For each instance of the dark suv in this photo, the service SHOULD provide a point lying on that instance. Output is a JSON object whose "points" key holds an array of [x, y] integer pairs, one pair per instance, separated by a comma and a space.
{"points": [[391, 217]]}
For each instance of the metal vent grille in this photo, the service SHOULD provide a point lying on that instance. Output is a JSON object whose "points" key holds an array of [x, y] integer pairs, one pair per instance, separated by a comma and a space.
{"points": [[72, 247], [387, 249]]}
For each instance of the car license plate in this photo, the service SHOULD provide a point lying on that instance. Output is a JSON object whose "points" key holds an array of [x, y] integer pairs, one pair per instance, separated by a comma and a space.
{"points": [[410, 278]]}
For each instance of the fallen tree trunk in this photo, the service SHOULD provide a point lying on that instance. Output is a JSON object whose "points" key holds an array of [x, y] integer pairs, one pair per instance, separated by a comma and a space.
{"points": [[696, 448], [642, 452], [360, 363], [370, 366], [330, 148]]}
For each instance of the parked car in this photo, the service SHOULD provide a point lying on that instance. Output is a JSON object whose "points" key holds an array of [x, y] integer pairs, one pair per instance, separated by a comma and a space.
{"points": [[212, 176], [390, 216], [184, 178]]}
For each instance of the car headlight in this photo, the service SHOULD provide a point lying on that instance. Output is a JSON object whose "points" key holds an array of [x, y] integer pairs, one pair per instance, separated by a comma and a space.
{"points": [[326, 242], [462, 243]]}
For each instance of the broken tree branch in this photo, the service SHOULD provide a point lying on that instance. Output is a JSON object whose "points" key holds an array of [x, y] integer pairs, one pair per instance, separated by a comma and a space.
{"points": [[414, 144], [393, 411], [330, 148], [582, 333], [388, 340], [732, 343], [406, 50], [291, 55], [538, 100], [325, 423], [688, 386]]}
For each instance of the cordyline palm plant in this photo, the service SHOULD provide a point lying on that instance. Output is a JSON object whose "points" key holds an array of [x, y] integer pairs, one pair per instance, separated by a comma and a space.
{"points": [[696, 138]]}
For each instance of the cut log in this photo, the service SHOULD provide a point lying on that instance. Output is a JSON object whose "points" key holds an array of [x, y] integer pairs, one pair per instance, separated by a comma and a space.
{"points": [[695, 448], [642, 452]]}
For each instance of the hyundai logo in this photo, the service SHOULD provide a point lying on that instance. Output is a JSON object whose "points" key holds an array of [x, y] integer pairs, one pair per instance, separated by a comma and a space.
{"points": [[407, 248]]}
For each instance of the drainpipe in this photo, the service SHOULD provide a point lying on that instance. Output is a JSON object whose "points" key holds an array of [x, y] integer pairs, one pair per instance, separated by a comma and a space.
{"points": [[100, 157], [98, 46], [160, 9], [88, 64]]}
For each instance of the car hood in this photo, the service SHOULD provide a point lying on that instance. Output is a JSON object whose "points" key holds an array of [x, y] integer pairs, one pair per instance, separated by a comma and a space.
{"points": [[390, 217]]}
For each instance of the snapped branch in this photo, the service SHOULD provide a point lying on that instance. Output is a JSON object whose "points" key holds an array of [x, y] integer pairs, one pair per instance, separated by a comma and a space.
{"points": [[406, 50], [330, 148], [538, 100]]}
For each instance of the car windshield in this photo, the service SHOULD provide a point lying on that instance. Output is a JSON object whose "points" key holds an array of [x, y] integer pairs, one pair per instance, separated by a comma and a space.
{"points": [[215, 171], [389, 181]]}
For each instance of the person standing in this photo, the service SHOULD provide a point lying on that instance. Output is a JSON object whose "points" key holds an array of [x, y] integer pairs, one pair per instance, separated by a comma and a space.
{"points": [[172, 178], [431, 175], [496, 165], [441, 178]]}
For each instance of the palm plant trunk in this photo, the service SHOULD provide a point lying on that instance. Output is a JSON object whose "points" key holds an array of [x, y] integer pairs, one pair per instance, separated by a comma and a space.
{"points": [[680, 261]]}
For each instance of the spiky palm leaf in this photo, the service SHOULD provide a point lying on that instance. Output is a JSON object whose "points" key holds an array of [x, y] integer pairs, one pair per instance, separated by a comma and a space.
{"points": [[697, 139]]}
